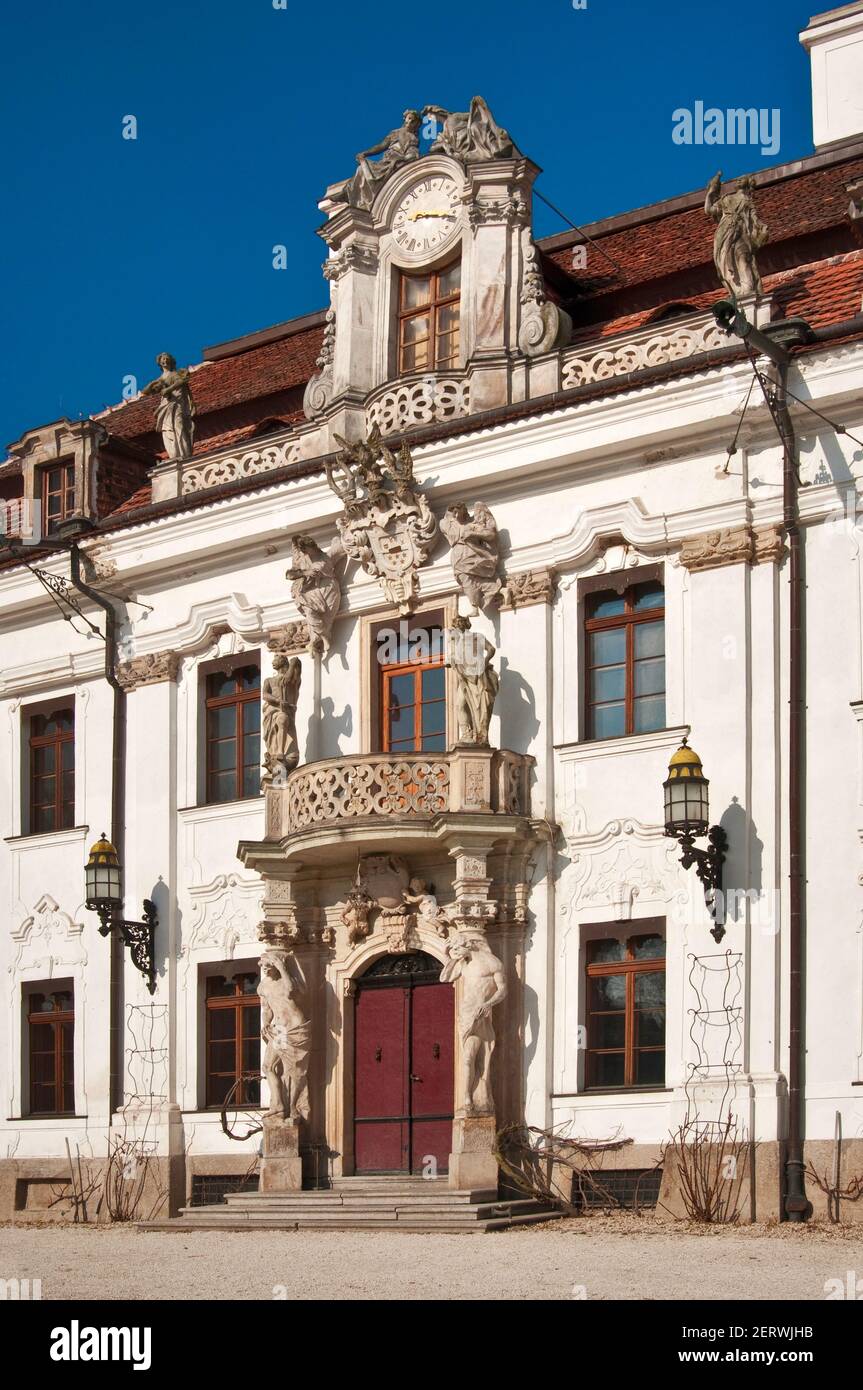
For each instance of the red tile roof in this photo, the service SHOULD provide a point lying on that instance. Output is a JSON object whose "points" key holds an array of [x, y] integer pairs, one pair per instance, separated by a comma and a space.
{"points": [[812, 264], [680, 240], [272, 370]]}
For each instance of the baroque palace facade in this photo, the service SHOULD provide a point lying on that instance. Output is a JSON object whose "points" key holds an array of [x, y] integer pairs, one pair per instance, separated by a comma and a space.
{"points": [[367, 643]]}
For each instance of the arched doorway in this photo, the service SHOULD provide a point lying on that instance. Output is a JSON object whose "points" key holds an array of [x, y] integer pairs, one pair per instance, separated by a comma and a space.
{"points": [[403, 1066]]}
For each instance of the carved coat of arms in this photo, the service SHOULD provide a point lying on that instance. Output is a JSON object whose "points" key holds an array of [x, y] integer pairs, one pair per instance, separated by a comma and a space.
{"points": [[387, 525]]}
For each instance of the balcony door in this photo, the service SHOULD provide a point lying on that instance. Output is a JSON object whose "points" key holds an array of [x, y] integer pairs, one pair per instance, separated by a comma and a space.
{"points": [[404, 1057]]}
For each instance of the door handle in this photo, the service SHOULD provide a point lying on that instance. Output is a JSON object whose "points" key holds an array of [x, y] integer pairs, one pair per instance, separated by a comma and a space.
{"points": [[379, 1052], [415, 1078]]}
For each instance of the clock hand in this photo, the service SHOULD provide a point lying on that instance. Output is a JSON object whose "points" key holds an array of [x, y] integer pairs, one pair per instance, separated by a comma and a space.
{"points": [[415, 216]]}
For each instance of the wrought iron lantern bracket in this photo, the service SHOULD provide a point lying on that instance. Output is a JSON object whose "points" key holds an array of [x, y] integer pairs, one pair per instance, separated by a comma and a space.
{"points": [[708, 866], [140, 937]]}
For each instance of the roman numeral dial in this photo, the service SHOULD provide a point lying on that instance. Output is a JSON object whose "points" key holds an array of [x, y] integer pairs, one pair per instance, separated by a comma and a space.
{"points": [[427, 215]]}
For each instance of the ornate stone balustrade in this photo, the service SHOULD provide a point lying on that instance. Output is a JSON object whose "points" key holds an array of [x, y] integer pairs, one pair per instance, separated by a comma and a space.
{"points": [[226, 465], [670, 341], [340, 791], [400, 405]]}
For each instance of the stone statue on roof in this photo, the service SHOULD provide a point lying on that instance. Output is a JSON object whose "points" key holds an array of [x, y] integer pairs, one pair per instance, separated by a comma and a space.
{"points": [[175, 409], [470, 135], [739, 234], [398, 148]]}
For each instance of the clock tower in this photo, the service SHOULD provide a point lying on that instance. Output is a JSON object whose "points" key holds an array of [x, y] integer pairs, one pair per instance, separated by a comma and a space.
{"points": [[438, 306]]}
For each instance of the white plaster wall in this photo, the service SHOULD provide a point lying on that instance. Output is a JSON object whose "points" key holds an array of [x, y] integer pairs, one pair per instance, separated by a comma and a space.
{"points": [[594, 489]]}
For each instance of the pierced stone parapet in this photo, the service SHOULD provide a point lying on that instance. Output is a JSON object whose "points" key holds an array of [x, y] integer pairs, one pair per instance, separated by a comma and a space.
{"points": [[229, 465], [346, 788], [399, 406], [338, 791], [669, 342]]}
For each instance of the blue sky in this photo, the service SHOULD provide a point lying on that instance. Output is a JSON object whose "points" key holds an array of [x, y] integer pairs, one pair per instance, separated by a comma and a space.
{"points": [[114, 249]]}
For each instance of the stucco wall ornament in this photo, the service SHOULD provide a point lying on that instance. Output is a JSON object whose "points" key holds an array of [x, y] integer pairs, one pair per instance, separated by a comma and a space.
{"points": [[544, 325], [149, 669], [287, 1033], [513, 210], [529, 587], [175, 409], [279, 695], [315, 589], [289, 639], [319, 391], [734, 545], [475, 549], [358, 909], [472, 960], [739, 234], [469, 655], [48, 939], [390, 532]]}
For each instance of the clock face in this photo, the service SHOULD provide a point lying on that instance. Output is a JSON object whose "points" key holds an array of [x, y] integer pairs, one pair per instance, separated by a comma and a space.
{"points": [[427, 215]]}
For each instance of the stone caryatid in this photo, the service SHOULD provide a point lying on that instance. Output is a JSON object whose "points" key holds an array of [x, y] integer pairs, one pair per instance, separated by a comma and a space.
{"points": [[400, 147], [286, 1031], [315, 589], [175, 409], [280, 695], [740, 233], [475, 552], [469, 655], [470, 136], [472, 960]]}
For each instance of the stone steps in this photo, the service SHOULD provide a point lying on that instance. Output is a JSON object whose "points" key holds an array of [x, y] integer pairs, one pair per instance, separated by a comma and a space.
{"points": [[387, 1203]]}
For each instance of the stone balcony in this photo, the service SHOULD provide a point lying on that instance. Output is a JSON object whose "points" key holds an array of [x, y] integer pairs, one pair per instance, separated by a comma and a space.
{"points": [[325, 810], [405, 404], [670, 340]]}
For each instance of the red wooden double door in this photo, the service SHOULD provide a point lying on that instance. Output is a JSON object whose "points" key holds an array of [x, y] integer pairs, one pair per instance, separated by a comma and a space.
{"points": [[403, 1088]]}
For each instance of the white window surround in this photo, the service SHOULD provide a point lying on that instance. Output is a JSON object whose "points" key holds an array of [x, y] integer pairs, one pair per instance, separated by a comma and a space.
{"points": [[19, 712], [668, 738]]}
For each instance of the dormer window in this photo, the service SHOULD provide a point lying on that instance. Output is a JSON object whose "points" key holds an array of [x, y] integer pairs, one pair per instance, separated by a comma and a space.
{"points": [[429, 319], [58, 492]]}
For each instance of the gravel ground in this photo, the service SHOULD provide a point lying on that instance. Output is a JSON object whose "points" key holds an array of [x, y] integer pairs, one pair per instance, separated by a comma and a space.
{"points": [[615, 1257]]}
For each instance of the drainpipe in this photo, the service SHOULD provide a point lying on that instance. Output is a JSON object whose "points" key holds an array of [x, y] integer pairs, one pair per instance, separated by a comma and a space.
{"points": [[118, 810], [774, 343]]}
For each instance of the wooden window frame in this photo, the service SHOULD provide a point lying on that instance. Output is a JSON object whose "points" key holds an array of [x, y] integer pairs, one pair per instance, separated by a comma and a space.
{"points": [[630, 968], [57, 741], [415, 668], [66, 490], [238, 699], [238, 1002], [63, 1058], [436, 303], [628, 619]]}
